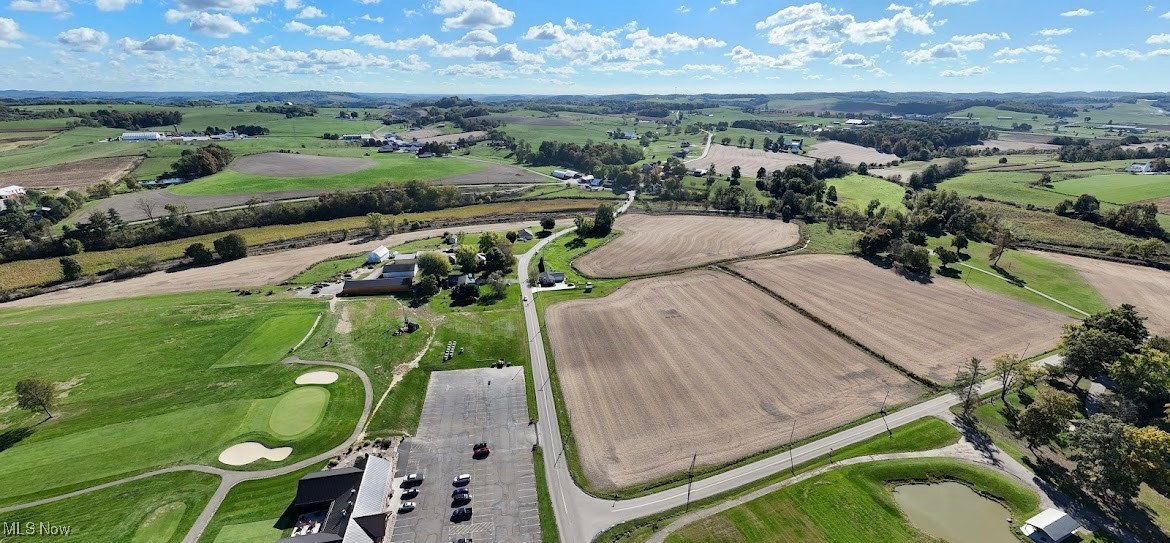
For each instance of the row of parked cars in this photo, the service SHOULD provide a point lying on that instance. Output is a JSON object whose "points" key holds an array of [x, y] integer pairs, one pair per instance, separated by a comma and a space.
{"points": [[459, 497]]}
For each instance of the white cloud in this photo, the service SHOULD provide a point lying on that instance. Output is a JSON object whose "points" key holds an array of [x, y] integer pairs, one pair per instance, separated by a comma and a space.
{"points": [[507, 52], [814, 31], [408, 13], [853, 60], [952, 2], [242, 61], [1165, 15], [1158, 38], [329, 32], [1081, 12], [367, 17], [9, 33], [157, 43], [1006, 60], [478, 71], [953, 49], [1017, 51], [114, 5], [373, 40], [1049, 58], [717, 68], [1050, 32], [669, 43], [965, 72], [233, 6], [216, 25], [969, 38], [747, 60], [473, 14], [292, 4], [546, 31], [683, 9], [310, 12], [368, 2], [83, 39], [728, 2], [479, 36], [1130, 54], [43, 6]]}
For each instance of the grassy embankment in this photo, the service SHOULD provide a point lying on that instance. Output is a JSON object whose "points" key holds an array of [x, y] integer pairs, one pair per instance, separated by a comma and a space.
{"points": [[126, 380], [852, 504], [921, 435], [256, 510]]}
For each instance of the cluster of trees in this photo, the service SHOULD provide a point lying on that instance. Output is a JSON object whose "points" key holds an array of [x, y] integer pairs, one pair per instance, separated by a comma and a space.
{"points": [[437, 148], [760, 125], [909, 139], [435, 268], [1135, 219], [8, 113], [131, 120], [932, 214], [289, 111], [99, 232], [201, 162], [229, 247], [588, 157], [934, 173], [599, 226], [245, 129], [1039, 108], [1111, 151], [1113, 455]]}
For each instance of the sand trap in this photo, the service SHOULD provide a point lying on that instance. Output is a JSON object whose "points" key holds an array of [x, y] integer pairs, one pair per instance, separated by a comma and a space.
{"points": [[251, 451], [317, 378], [294, 165]]}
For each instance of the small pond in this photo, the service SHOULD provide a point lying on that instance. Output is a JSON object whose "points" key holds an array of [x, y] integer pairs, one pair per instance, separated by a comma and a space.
{"points": [[955, 513]]}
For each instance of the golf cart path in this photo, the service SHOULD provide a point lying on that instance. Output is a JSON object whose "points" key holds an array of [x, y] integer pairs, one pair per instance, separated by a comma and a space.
{"points": [[230, 478]]}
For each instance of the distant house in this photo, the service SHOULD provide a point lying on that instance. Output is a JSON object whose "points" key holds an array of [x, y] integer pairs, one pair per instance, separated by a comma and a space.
{"points": [[1124, 128], [378, 255], [629, 135], [11, 191], [1139, 167], [524, 235], [794, 145], [142, 136], [344, 504], [1050, 526], [460, 279], [388, 148], [398, 269], [549, 279], [856, 122]]}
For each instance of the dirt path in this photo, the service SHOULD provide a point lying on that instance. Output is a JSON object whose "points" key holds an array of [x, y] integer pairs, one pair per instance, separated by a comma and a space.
{"points": [[267, 269]]}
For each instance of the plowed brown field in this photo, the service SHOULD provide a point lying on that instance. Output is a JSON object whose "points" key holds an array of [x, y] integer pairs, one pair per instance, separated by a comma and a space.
{"points": [[650, 244], [1146, 288], [702, 362], [297, 165], [850, 153], [749, 160], [929, 329], [73, 175]]}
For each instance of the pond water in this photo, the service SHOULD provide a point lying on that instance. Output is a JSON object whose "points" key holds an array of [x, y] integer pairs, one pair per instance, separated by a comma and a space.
{"points": [[955, 513]]}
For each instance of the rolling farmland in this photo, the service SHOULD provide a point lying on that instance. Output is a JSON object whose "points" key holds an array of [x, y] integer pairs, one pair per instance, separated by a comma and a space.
{"points": [[702, 362], [1146, 288], [927, 328], [651, 244]]}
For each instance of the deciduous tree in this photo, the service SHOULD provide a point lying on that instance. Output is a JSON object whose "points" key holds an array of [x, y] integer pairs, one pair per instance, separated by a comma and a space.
{"points": [[966, 385], [1143, 376], [548, 223], [198, 253], [434, 264], [487, 240], [1103, 468], [1007, 368], [231, 247], [36, 395], [376, 222], [1147, 450], [70, 269], [1046, 417], [1088, 351], [426, 287], [467, 258]]}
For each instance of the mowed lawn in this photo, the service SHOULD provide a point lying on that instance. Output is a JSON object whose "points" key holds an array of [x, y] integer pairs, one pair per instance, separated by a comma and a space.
{"points": [[139, 389], [158, 509], [858, 190], [849, 505], [256, 510], [388, 167]]}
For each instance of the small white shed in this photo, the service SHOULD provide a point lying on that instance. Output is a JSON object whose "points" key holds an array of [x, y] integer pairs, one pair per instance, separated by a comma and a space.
{"points": [[1050, 526], [378, 255]]}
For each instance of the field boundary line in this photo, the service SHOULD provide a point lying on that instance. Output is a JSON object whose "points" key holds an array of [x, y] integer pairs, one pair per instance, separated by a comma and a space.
{"points": [[929, 384], [1025, 287], [307, 334]]}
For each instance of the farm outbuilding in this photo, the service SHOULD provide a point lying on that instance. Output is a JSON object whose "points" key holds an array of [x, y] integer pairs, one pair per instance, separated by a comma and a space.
{"points": [[378, 255], [524, 234], [11, 191], [406, 268], [142, 136], [1050, 526], [376, 286]]}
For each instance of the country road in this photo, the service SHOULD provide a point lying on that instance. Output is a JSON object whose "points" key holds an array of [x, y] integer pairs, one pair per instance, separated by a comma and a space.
{"points": [[580, 517]]}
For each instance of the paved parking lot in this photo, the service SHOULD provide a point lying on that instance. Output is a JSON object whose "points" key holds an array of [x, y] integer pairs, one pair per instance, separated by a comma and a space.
{"points": [[464, 407]]}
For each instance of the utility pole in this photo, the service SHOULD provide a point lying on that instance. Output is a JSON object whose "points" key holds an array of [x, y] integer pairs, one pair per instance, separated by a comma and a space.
{"points": [[791, 445], [884, 421], [690, 479]]}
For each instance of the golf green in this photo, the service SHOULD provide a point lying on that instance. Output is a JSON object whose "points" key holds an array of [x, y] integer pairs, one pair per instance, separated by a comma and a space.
{"points": [[298, 411]]}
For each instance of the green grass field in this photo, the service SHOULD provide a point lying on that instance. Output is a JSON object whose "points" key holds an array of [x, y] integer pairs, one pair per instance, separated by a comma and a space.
{"points": [[850, 504], [1121, 188], [131, 372], [154, 510], [858, 190], [921, 435], [329, 269], [389, 167], [256, 511]]}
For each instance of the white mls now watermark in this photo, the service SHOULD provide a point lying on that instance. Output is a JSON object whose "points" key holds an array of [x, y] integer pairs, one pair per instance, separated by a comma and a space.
{"points": [[20, 529]]}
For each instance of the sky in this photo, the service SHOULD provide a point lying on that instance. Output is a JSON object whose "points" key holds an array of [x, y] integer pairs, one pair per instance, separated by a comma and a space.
{"points": [[584, 47]]}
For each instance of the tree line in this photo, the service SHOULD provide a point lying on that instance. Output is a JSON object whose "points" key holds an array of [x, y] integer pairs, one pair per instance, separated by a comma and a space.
{"points": [[1111, 151], [201, 162], [912, 140], [1136, 219], [588, 157], [289, 111], [131, 120]]}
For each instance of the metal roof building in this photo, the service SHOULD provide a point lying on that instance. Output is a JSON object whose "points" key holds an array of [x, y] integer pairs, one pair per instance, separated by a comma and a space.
{"points": [[1050, 526]]}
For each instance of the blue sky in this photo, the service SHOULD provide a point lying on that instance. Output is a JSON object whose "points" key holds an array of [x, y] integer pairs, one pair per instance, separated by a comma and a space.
{"points": [[591, 47]]}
